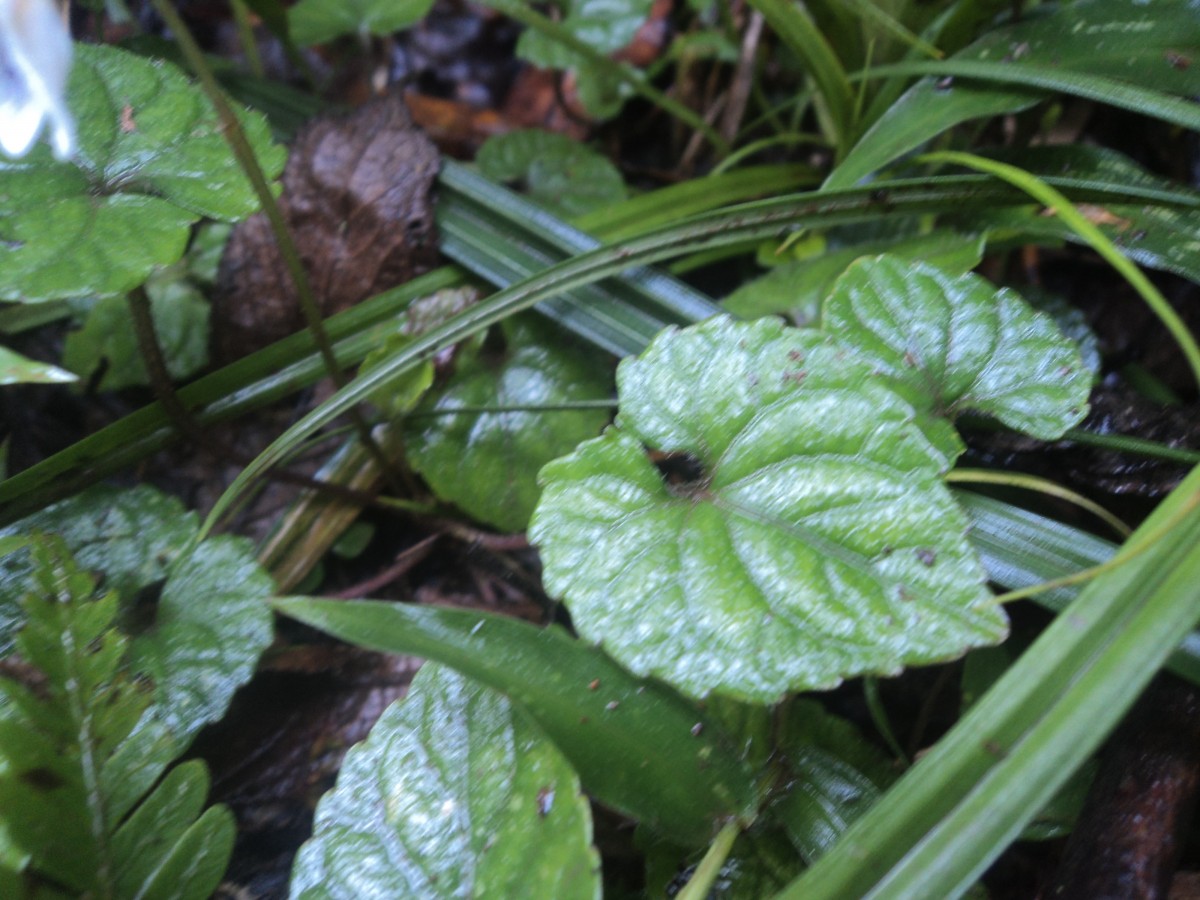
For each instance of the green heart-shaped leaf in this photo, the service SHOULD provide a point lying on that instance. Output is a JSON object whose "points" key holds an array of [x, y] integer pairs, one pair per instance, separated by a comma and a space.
{"points": [[151, 160], [816, 540]]}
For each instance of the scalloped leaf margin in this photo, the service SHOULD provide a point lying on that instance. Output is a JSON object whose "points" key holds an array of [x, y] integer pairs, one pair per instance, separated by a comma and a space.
{"points": [[453, 794], [813, 537]]}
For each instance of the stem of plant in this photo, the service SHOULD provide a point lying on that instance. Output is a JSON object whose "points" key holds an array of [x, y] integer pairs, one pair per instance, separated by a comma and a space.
{"points": [[701, 882], [1042, 485], [185, 423], [236, 137], [1127, 552]]}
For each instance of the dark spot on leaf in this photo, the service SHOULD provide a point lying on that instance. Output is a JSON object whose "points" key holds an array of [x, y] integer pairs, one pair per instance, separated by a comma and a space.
{"points": [[42, 778], [545, 801], [593, 684], [909, 359], [795, 356], [797, 377], [1178, 60], [926, 556], [994, 748], [682, 472]]}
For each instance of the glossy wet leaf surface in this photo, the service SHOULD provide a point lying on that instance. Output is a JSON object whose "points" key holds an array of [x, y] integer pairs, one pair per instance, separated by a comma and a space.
{"points": [[1147, 45], [797, 288], [132, 536], [453, 794], [639, 746], [211, 622], [487, 462], [816, 541], [834, 777], [151, 161], [211, 626], [957, 344]]}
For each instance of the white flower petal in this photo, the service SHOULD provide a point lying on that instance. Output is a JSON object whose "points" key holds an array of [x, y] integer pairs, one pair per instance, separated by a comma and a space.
{"points": [[35, 60]]}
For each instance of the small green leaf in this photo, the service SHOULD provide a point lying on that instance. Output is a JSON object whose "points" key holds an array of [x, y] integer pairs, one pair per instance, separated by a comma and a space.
{"points": [[151, 161], [565, 177], [317, 21], [403, 394], [18, 369], [212, 621], [131, 535], [485, 462], [107, 338], [816, 542], [212, 624], [797, 288], [638, 746], [834, 776], [453, 794], [953, 343], [604, 25]]}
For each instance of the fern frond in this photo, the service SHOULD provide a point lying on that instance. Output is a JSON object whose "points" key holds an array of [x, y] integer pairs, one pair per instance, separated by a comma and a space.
{"points": [[78, 755]]}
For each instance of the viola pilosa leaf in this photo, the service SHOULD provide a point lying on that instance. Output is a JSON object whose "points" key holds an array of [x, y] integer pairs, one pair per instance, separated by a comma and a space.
{"points": [[453, 794], [807, 537], [954, 343], [487, 462], [151, 161]]}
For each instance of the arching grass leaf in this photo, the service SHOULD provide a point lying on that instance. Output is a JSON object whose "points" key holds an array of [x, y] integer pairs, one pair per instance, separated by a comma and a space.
{"points": [[1151, 234], [638, 746], [1146, 50], [815, 539], [953, 343], [453, 794], [151, 160]]}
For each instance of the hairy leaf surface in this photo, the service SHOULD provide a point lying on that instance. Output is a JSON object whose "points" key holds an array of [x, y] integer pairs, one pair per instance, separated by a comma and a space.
{"points": [[816, 540], [487, 462], [453, 794], [954, 343], [151, 161]]}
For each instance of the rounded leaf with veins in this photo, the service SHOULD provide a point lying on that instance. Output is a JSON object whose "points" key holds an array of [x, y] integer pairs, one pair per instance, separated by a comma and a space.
{"points": [[816, 541], [954, 343]]}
